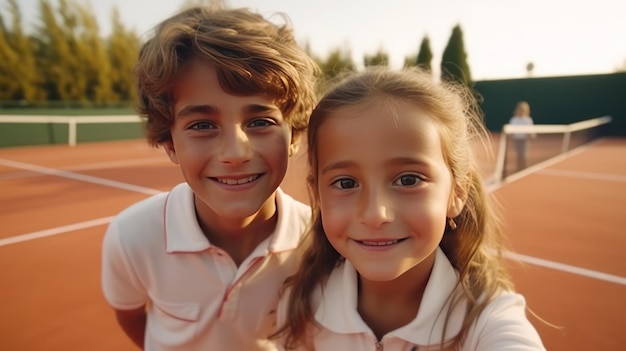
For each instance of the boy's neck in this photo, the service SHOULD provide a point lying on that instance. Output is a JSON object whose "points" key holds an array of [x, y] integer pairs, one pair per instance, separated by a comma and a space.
{"points": [[240, 236]]}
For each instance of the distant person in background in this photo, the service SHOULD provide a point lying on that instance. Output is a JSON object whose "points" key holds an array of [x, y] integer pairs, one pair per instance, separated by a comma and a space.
{"points": [[521, 116], [227, 95]]}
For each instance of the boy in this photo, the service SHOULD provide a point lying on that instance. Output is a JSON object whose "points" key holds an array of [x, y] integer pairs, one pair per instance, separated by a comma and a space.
{"points": [[227, 94]]}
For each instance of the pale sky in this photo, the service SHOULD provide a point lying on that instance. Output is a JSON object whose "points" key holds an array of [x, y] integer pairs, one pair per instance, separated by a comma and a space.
{"points": [[561, 37]]}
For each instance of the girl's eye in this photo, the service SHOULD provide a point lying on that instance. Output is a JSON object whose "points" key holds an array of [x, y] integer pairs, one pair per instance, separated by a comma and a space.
{"points": [[407, 180], [202, 125], [344, 183], [259, 123]]}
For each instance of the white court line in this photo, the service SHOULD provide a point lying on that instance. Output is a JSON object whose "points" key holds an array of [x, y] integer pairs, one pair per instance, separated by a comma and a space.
{"points": [[539, 167], [105, 220], [120, 163], [80, 177], [566, 268], [493, 185], [55, 231], [583, 175], [88, 167]]}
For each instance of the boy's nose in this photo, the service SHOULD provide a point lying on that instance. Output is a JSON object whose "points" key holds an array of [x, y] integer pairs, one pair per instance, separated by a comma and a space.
{"points": [[236, 146]]}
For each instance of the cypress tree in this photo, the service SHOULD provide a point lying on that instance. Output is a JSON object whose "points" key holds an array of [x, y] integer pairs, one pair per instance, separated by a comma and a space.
{"points": [[18, 71], [94, 63], [425, 55], [122, 50], [454, 59], [381, 58]]}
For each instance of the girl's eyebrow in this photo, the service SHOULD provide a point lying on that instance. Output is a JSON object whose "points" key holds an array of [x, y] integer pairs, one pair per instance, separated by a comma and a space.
{"points": [[337, 165], [351, 164]]}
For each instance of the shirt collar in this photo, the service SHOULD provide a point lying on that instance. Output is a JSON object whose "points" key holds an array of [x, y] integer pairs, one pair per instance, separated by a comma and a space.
{"points": [[183, 232], [337, 310], [291, 223]]}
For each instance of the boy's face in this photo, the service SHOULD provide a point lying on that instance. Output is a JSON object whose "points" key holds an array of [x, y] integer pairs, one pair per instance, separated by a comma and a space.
{"points": [[384, 188], [232, 150]]}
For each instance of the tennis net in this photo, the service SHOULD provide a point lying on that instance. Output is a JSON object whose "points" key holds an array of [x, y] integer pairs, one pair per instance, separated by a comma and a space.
{"points": [[524, 146], [17, 130]]}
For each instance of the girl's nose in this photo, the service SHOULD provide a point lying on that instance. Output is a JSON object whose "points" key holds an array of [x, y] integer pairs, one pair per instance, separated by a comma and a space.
{"points": [[375, 209]]}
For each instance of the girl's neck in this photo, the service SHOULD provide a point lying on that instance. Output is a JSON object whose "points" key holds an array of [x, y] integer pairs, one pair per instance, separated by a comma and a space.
{"points": [[386, 306]]}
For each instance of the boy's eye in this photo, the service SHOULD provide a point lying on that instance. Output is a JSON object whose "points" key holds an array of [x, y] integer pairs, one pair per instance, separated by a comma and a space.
{"points": [[407, 180], [344, 183], [202, 125], [257, 123]]}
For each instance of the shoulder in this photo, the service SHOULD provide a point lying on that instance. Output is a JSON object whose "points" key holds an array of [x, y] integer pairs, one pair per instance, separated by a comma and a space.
{"points": [[296, 212], [504, 325], [287, 200], [145, 216]]}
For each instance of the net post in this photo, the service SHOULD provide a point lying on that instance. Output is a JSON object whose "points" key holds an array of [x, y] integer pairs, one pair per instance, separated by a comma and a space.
{"points": [[71, 132], [566, 140], [499, 171]]}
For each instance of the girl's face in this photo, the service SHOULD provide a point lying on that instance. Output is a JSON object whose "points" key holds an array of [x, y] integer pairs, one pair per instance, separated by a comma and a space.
{"points": [[384, 188]]}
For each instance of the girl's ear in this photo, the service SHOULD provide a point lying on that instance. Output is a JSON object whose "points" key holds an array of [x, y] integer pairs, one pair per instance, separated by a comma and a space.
{"points": [[171, 152], [457, 202]]}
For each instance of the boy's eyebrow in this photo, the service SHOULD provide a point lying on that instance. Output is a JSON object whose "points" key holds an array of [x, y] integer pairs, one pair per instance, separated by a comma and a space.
{"points": [[190, 109], [262, 108], [208, 109]]}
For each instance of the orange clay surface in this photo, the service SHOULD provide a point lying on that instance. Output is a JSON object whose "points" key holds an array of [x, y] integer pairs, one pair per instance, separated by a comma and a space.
{"points": [[565, 224]]}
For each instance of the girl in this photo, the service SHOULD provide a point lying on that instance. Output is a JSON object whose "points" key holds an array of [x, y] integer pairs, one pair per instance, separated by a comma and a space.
{"points": [[404, 253]]}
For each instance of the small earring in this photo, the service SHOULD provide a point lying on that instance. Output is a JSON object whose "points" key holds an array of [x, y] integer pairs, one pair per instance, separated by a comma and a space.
{"points": [[451, 223]]}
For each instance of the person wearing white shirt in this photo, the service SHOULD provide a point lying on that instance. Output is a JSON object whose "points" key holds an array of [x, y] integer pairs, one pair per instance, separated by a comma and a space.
{"points": [[405, 248]]}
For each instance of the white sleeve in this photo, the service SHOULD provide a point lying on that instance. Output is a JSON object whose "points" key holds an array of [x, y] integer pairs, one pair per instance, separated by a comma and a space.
{"points": [[504, 326], [121, 285]]}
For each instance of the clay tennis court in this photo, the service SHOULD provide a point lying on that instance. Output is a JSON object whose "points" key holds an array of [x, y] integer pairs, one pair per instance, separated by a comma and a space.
{"points": [[566, 222]]}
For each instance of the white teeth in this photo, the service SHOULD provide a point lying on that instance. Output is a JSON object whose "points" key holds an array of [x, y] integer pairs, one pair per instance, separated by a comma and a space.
{"points": [[379, 243], [230, 181]]}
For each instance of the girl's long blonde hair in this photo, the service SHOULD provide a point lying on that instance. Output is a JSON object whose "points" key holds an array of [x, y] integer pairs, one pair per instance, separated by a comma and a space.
{"points": [[474, 247]]}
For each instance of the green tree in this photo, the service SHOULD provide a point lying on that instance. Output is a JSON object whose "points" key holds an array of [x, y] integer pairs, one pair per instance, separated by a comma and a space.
{"points": [[454, 59], [8, 60], [56, 52], [381, 58], [337, 62], [409, 61], [425, 55], [94, 63], [122, 49], [18, 71]]}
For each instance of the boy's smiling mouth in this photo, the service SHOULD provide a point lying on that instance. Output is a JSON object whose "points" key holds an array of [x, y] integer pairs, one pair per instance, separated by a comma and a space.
{"points": [[238, 181]]}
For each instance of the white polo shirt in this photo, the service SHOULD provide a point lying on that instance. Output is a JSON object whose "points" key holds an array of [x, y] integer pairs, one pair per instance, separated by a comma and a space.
{"points": [[503, 325], [521, 121], [155, 253]]}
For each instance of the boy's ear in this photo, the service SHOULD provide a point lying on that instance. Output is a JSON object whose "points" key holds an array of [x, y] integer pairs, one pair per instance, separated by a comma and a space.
{"points": [[170, 151], [457, 202], [293, 148], [295, 143]]}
